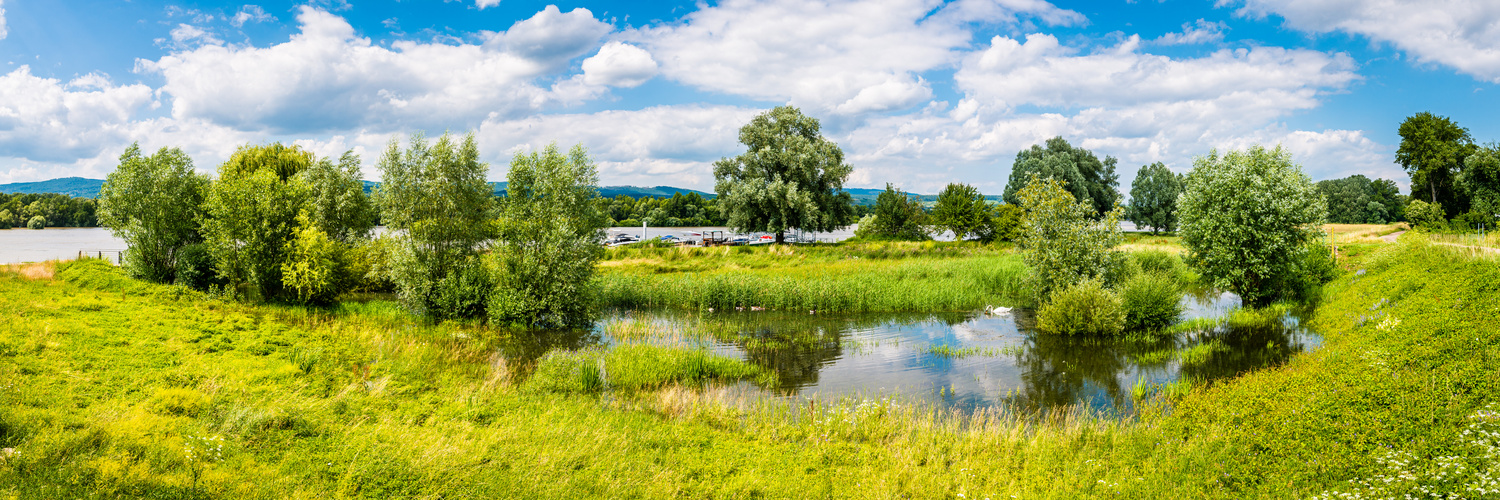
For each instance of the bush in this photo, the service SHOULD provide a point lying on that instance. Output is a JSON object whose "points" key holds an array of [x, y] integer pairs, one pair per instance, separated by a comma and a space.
{"points": [[1065, 243], [195, 267], [316, 268], [37, 222], [1162, 262], [1086, 308], [1152, 301], [1425, 216], [1316, 267], [370, 265], [1004, 225], [464, 292]]}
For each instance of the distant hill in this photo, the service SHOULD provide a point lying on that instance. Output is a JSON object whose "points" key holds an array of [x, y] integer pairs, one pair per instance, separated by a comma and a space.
{"points": [[71, 186]]}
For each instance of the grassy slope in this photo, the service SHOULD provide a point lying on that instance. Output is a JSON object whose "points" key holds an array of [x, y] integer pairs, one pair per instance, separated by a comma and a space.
{"points": [[99, 391]]}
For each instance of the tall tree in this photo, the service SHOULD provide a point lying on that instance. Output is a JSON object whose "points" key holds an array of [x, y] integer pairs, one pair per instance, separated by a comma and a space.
{"points": [[1248, 218], [153, 203], [961, 209], [1083, 174], [1433, 149], [1481, 177], [436, 197], [790, 177], [251, 214], [1153, 198], [340, 208], [551, 229], [1065, 241]]}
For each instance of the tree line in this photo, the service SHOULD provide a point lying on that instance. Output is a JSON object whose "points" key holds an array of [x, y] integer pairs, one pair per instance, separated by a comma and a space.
{"points": [[39, 210]]}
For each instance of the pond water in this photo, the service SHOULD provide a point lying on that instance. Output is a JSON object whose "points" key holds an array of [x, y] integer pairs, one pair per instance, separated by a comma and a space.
{"points": [[957, 360]]}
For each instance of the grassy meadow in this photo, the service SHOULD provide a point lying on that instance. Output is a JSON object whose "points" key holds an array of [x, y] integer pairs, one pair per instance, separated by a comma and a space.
{"points": [[110, 387]]}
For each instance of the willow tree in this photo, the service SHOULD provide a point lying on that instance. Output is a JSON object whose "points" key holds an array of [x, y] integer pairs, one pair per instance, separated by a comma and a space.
{"points": [[251, 214], [152, 202], [436, 198], [790, 177]]}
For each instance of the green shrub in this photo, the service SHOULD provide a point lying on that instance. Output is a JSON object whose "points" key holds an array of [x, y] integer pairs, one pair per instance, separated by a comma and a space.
{"points": [[316, 270], [1425, 216], [1004, 224], [1066, 241], [463, 293], [1086, 308], [37, 222], [195, 267], [1152, 301]]}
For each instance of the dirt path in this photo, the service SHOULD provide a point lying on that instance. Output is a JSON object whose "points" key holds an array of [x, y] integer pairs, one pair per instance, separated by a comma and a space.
{"points": [[1391, 238]]}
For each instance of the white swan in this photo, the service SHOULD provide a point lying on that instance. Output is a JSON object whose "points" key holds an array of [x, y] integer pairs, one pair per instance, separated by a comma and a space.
{"points": [[997, 310]]}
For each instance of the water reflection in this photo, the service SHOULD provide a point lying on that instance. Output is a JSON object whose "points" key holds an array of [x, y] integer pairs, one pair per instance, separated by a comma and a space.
{"points": [[958, 360]]}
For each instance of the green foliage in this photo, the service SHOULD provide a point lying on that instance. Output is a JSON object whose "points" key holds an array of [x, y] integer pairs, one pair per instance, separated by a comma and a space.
{"points": [[1433, 149], [962, 210], [1152, 300], [1481, 180], [551, 230], [317, 269], [1358, 200], [195, 267], [690, 209], [1084, 308], [897, 216], [37, 222], [633, 367], [1004, 224], [1063, 241], [1089, 180], [58, 209], [437, 197], [1425, 216], [1247, 218], [1153, 198], [790, 177], [153, 203], [338, 205], [251, 214], [1164, 263]]}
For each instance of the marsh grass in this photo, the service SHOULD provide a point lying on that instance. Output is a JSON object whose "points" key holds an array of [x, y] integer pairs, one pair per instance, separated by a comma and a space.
{"points": [[855, 277], [320, 404]]}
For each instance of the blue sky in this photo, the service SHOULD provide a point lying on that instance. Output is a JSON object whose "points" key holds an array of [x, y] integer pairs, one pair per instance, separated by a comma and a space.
{"points": [[917, 92]]}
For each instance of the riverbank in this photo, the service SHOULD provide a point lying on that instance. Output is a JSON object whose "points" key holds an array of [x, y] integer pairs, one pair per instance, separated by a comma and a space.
{"points": [[110, 387]]}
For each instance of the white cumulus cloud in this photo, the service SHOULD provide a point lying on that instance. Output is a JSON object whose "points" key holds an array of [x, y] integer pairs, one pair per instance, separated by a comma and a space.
{"points": [[833, 56], [250, 14], [1460, 34], [326, 78], [619, 65], [551, 37], [1194, 33], [3, 31]]}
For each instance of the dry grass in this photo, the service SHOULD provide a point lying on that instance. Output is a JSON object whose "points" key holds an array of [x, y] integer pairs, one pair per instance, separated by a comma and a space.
{"points": [[33, 271], [1362, 233]]}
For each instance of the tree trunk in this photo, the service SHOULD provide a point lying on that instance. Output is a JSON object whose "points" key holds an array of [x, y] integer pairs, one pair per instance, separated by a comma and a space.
{"points": [[780, 237], [1433, 187]]}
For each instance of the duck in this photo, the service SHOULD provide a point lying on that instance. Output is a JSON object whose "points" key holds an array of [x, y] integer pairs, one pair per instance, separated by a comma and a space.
{"points": [[757, 308]]}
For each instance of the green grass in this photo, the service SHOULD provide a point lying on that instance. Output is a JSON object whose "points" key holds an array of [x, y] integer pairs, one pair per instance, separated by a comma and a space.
{"points": [[886, 277], [110, 389]]}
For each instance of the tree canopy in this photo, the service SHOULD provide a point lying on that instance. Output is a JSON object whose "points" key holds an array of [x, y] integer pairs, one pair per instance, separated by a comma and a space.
{"points": [[1433, 149], [1358, 200], [1248, 218], [1481, 177], [790, 177], [1082, 173], [251, 213], [961, 210], [153, 203], [1064, 241], [897, 216], [1153, 198]]}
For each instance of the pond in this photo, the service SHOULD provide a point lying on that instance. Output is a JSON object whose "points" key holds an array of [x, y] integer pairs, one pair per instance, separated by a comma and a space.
{"points": [[957, 360]]}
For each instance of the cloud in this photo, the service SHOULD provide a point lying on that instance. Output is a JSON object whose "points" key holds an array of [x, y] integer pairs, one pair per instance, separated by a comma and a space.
{"points": [[619, 65], [482, 4], [45, 119], [326, 78], [660, 145], [1461, 34], [1195, 33], [186, 35], [833, 56], [3, 31], [250, 14], [551, 38]]}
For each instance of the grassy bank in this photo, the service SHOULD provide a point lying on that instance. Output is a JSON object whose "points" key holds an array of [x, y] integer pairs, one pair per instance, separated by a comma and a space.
{"points": [[111, 388], [869, 277]]}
